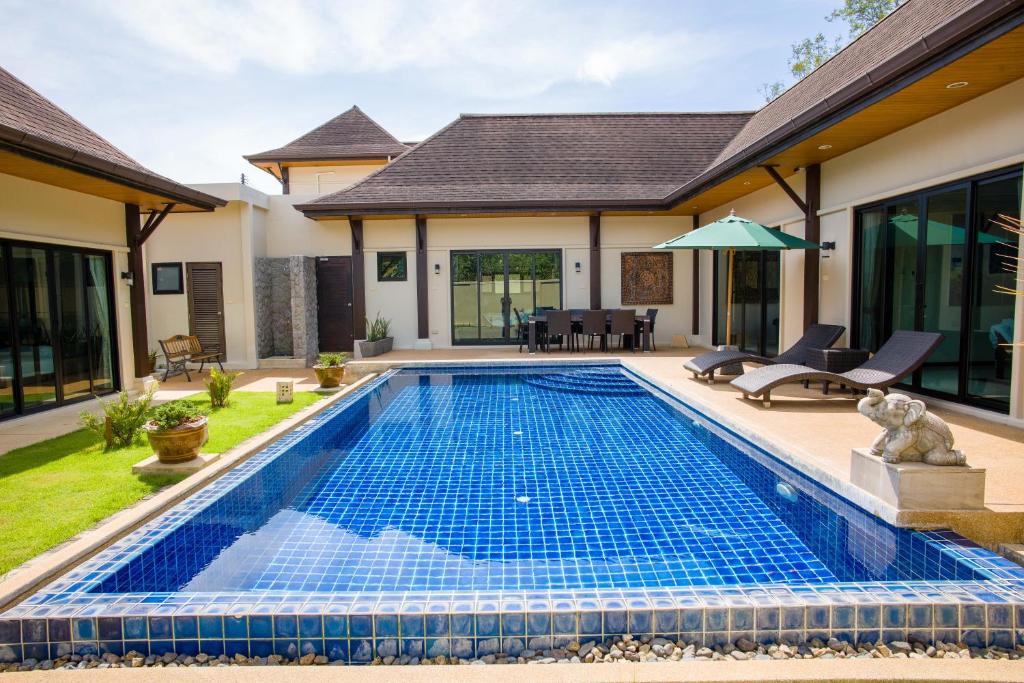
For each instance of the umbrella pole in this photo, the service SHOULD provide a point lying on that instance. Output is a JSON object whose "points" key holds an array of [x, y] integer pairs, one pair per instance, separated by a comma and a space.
{"points": [[728, 304]]}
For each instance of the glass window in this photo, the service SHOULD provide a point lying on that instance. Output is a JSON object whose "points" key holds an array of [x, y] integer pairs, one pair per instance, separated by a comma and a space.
{"points": [[167, 278], [74, 325], [7, 404], [871, 307], [101, 323], [34, 326], [391, 266], [992, 311]]}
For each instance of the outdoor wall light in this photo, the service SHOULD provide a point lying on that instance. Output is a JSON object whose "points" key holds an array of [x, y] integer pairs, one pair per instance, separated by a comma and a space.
{"points": [[828, 246], [437, 269], [128, 278], [579, 267]]}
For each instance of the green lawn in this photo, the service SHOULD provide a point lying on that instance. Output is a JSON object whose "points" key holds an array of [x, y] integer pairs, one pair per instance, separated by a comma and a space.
{"points": [[54, 489]]}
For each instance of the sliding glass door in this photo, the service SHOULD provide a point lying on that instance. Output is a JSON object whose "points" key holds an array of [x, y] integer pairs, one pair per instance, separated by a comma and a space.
{"points": [[755, 301], [56, 308], [488, 287], [933, 261]]}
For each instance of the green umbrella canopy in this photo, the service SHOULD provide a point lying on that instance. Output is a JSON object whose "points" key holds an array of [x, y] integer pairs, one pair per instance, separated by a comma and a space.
{"points": [[733, 232]]}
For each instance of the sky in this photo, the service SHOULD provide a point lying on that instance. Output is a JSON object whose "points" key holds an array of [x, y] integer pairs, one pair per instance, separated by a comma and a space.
{"points": [[187, 87]]}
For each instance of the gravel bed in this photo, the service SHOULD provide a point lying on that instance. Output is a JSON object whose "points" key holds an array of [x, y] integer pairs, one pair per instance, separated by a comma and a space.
{"points": [[624, 649]]}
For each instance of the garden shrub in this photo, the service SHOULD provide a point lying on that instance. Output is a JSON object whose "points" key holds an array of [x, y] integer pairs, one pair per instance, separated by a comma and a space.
{"points": [[219, 385], [122, 418]]}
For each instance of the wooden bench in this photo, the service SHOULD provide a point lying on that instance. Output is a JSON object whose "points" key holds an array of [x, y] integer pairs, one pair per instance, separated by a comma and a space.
{"points": [[182, 349]]}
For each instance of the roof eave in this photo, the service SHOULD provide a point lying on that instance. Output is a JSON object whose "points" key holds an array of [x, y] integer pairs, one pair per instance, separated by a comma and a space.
{"points": [[343, 210], [41, 149], [940, 47], [283, 158]]}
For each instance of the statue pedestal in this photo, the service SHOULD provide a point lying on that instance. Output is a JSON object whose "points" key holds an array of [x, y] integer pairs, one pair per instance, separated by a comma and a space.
{"points": [[917, 486]]}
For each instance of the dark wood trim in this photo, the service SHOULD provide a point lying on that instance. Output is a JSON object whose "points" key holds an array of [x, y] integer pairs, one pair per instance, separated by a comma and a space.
{"points": [[812, 232], [695, 324], [595, 261], [285, 181], [153, 222], [140, 333], [422, 316], [790, 192], [358, 280]]}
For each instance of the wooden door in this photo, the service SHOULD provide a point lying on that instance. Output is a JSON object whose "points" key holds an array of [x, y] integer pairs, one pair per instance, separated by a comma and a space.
{"points": [[334, 302], [206, 305]]}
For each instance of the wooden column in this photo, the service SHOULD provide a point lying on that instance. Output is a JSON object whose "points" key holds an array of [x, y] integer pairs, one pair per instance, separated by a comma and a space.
{"points": [[285, 183], [358, 280], [422, 316], [695, 325], [812, 232], [137, 300], [595, 261]]}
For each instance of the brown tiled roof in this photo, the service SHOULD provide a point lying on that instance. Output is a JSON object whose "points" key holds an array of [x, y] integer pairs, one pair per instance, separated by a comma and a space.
{"points": [[350, 135], [31, 123], [912, 33], [546, 159]]}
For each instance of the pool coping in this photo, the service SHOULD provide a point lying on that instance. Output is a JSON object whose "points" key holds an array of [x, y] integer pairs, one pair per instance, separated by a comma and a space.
{"points": [[358, 626], [36, 572]]}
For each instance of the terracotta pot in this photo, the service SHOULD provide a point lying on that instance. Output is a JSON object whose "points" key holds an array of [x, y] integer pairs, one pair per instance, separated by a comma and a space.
{"points": [[180, 444], [329, 377]]}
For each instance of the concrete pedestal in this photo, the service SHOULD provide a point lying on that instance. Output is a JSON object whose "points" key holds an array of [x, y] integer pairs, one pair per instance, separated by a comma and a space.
{"points": [[917, 486], [152, 465]]}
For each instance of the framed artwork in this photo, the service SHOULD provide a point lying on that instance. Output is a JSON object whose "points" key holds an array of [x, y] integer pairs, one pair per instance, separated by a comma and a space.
{"points": [[646, 278]]}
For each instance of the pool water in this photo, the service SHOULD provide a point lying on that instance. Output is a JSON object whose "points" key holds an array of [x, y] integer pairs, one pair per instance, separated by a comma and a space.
{"points": [[521, 479]]}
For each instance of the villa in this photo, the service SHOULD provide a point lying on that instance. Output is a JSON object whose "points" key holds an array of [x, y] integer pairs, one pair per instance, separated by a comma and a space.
{"points": [[464, 497], [907, 137]]}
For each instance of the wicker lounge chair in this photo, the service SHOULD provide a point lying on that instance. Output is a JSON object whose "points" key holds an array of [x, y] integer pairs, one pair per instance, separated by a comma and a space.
{"points": [[815, 337], [901, 355]]}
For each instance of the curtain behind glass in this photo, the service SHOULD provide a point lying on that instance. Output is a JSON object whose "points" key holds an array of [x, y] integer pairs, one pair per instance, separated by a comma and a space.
{"points": [[98, 296]]}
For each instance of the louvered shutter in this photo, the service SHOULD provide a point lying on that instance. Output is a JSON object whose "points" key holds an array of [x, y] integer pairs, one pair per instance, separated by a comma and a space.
{"points": [[206, 305]]}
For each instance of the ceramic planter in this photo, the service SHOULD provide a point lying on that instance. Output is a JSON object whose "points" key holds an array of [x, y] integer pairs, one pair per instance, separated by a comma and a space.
{"points": [[329, 377], [180, 444], [368, 349]]}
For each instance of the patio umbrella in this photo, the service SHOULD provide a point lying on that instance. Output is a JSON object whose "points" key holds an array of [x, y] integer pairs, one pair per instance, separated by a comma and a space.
{"points": [[733, 234]]}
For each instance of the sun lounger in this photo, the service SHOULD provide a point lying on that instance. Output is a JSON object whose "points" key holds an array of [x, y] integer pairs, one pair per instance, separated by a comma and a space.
{"points": [[815, 337], [903, 353]]}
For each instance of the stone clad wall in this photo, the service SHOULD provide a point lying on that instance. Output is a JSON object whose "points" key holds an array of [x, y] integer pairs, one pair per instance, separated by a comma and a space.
{"points": [[273, 308], [305, 332]]}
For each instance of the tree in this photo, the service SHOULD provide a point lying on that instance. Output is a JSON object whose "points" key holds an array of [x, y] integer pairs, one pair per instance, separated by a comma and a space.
{"points": [[810, 53]]}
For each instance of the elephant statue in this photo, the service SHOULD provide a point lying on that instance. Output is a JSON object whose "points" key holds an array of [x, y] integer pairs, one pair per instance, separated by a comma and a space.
{"points": [[910, 433]]}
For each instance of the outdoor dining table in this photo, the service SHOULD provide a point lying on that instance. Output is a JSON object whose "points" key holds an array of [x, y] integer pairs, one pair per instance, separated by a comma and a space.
{"points": [[641, 320]]}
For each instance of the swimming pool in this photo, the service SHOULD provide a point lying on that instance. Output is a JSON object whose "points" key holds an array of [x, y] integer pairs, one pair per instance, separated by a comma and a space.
{"points": [[469, 510]]}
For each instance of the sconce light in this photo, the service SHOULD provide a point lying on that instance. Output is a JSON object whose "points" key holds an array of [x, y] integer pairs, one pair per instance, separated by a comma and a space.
{"points": [[579, 267], [828, 246], [437, 269], [128, 278]]}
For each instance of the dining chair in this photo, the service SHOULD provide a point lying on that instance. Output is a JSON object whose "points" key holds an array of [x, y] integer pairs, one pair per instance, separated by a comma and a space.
{"points": [[560, 326], [595, 324], [522, 328], [652, 313], [624, 325]]}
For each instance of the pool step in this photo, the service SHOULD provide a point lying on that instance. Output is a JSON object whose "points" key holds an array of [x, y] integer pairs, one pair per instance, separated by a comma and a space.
{"points": [[586, 381]]}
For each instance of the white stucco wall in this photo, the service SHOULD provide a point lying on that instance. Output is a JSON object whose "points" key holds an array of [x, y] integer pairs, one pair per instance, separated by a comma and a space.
{"points": [[38, 212], [302, 180], [981, 135], [395, 301], [224, 236], [289, 233]]}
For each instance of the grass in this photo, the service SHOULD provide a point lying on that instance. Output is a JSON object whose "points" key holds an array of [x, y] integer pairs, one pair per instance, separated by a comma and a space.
{"points": [[55, 489]]}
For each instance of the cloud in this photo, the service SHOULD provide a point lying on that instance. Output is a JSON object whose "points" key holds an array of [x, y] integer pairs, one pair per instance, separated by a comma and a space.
{"points": [[502, 51]]}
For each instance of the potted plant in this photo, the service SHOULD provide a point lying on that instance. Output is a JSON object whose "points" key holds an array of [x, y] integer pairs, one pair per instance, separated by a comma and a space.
{"points": [[176, 431], [329, 369], [151, 363], [378, 338]]}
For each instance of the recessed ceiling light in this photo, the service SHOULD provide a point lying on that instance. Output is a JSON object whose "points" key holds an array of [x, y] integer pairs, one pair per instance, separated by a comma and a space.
{"points": [[824, 146], [746, 182], [956, 85]]}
